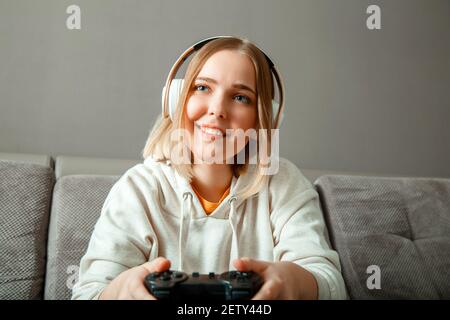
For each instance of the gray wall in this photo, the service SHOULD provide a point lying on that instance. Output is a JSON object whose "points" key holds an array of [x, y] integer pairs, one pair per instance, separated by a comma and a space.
{"points": [[357, 100]]}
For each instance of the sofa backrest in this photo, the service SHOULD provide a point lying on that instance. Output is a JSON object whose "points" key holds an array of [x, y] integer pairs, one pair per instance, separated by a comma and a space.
{"points": [[392, 235], [25, 195], [76, 206]]}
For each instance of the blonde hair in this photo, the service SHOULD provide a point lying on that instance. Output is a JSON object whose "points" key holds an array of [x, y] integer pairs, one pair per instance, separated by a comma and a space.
{"points": [[159, 144]]}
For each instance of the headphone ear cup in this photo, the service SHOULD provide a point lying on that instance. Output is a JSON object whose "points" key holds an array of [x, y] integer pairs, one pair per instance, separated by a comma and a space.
{"points": [[174, 94], [275, 110]]}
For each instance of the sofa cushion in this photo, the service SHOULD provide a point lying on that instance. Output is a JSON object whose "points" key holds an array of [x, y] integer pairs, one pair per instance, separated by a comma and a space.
{"points": [[76, 206], [25, 195], [393, 229]]}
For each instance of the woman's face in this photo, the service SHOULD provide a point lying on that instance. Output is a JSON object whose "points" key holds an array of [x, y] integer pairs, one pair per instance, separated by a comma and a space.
{"points": [[222, 99]]}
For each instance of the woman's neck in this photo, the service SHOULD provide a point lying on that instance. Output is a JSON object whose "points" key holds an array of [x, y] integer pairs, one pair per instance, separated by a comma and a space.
{"points": [[211, 180]]}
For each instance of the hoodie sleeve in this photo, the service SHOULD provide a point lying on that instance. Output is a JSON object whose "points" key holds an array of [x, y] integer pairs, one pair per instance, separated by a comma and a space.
{"points": [[122, 238], [299, 230]]}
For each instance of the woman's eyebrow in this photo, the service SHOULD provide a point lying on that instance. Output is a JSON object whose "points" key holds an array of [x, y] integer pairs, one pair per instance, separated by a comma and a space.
{"points": [[236, 85]]}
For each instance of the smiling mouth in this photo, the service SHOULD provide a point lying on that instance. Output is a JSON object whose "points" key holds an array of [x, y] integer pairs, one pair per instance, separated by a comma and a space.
{"points": [[210, 131]]}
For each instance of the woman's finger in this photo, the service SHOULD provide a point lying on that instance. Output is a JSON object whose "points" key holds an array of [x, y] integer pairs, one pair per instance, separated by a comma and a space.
{"points": [[157, 265], [247, 264]]}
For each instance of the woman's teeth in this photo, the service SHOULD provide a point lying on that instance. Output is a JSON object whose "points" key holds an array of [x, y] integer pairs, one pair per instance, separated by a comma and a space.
{"points": [[212, 131]]}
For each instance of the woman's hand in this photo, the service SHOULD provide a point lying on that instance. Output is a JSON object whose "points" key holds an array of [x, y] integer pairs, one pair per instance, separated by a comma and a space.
{"points": [[283, 280], [129, 285]]}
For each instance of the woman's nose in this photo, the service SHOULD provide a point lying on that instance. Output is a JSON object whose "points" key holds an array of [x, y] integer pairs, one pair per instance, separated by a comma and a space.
{"points": [[217, 107]]}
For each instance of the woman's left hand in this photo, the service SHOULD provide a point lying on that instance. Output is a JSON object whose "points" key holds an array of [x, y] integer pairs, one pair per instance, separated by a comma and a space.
{"points": [[283, 280]]}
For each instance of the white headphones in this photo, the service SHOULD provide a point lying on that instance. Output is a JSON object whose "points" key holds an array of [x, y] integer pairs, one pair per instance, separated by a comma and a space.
{"points": [[170, 97]]}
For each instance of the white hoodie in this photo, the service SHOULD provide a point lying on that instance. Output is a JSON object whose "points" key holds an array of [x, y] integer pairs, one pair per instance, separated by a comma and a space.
{"points": [[152, 211]]}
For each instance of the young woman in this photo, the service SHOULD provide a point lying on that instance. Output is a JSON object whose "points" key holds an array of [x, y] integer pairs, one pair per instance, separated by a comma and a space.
{"points": [[213, 216]]}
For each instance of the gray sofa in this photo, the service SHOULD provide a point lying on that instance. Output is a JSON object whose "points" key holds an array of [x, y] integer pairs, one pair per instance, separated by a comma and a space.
{"points": [[392, 233]]}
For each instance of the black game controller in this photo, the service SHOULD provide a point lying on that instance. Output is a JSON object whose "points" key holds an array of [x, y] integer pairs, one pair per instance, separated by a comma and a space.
{"points": [[176, 285]]}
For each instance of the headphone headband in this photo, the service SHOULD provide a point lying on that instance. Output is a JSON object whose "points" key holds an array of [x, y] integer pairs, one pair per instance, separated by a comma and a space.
{"points": [[197, 46], [201, 43]]}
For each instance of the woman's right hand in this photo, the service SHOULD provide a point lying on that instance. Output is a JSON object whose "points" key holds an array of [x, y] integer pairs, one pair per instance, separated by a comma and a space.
{"points": [[129, 285]]}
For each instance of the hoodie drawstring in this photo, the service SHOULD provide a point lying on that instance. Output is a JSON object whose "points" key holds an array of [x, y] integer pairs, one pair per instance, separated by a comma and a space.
{"points": [[234, 239], [182, 234], [185, 221]]}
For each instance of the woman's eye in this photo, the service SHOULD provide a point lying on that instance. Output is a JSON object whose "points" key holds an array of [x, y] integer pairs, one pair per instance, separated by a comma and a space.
{"points": [[243, 99], [201, 87]]}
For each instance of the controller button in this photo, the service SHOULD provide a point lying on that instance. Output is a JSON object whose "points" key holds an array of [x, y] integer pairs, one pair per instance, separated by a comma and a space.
{"points": [[211, 275], [195, 274], [166, 278], [178, 274]]}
